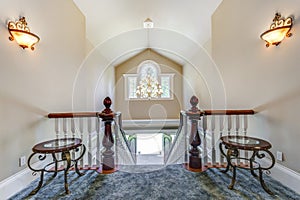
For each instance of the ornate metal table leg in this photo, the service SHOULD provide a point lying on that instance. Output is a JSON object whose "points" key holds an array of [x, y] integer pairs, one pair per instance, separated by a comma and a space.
{"points": [[260, 156], [55, 166], [39, 185], [231, 153], [227, 158], [262, 182], [76, 161], [251, 164], [233, 178], [66, 156], [41, 157]]}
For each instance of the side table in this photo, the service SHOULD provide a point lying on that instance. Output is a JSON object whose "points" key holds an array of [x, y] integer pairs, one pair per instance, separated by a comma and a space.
{"points": [[258, 147], [63, 146]]}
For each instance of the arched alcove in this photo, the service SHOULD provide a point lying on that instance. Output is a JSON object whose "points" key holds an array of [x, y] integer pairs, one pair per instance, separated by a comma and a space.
{"points": [[96, 77], [137, 67]]}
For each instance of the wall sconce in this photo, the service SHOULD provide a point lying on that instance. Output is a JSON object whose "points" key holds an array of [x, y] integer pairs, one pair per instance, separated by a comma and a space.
{"points": [[20, 32], [279, 29]]}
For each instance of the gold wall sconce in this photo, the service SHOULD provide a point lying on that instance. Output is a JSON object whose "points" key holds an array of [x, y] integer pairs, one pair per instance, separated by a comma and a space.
{"points": [[20, 32], [279, 29]]}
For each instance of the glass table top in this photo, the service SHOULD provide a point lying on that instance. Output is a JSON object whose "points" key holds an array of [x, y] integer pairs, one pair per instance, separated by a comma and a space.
{"points": [[59, 143], [244, 141]]}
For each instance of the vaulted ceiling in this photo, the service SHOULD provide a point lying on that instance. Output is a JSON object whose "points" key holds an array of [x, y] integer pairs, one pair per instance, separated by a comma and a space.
{"points": [[107, 19]]}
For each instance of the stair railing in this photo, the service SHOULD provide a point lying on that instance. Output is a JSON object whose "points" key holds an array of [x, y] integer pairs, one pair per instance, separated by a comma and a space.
{"points": [[218, 123], [125, 151], [196, 143], [199, 138], [84, 125], [176, 153]]}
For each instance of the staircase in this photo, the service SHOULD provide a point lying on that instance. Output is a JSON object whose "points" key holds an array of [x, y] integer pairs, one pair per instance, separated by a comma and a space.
{"points": [[113, 143]]}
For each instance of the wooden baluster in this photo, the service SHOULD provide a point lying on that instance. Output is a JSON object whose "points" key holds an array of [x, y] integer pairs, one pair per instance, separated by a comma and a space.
{"points": [[213, 150], [229, 124], [82, 162], [65, 127], [57, 127], [186, 143], [73, 129], [237, 125], [57, 131], [237, 128], [117, 140], [73, 135], [98, 152], [221, 134], [194, 115], [245, 127], [205, 140], [65, 131], [90, 150], [108, 141]]}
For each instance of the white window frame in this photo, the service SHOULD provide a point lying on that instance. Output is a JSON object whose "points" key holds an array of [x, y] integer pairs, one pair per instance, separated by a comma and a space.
{"points": [[126, 85], [171, 88]]}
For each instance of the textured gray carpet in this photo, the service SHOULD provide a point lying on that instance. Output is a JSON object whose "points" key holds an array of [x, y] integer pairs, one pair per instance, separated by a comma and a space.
{"points": [[172, 182]]}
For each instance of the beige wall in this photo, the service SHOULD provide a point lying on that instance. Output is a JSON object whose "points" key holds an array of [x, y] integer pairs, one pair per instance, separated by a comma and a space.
{"points": [[194, 84], [148, 109], [266, 79], [34, 83]]}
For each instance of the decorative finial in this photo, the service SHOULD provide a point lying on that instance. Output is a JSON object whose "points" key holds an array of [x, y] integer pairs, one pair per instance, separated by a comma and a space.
{"points": [[194, 101], [277, 17], [107, 102]]}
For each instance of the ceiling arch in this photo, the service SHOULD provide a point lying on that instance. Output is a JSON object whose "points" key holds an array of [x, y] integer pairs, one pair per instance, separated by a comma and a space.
{"points": [[106, 55], [107, 19]]}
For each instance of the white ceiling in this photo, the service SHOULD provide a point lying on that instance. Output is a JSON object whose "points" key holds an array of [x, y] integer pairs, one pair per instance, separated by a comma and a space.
{"points": [[108, 19]]}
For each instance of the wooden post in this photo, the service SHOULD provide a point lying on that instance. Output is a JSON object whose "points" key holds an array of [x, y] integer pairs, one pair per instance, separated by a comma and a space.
{"points": [[194, 115], [107, 116]]}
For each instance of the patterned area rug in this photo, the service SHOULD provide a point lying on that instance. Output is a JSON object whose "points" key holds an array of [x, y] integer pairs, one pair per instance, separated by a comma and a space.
{"points": [[172, 182]]}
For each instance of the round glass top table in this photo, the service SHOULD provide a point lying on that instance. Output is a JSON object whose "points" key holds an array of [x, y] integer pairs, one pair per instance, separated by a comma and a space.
{"points": [[232, 146], [245, 142], [57, 145], [67, 151]]}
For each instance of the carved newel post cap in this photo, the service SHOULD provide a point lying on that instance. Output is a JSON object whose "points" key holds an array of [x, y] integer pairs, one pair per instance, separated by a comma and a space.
{"points": [[107, 102], [107, 113], [194, 101], [194, 112]]}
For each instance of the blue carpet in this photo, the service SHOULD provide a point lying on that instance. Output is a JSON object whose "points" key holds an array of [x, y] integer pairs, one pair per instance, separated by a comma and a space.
{"points": [[172, 182]]}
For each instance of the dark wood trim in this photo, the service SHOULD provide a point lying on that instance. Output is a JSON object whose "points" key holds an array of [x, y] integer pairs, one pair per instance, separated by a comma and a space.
{"points": [[206, 112], [229, 112], [72, 115]]}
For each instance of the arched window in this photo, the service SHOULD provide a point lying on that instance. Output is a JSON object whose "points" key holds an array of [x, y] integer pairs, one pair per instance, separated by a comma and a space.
{"points": [[148, 83], [149, 68]]}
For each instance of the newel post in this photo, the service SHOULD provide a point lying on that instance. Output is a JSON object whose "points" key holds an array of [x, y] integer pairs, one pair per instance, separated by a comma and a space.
{"points": [[107, 116], [194, 115]]}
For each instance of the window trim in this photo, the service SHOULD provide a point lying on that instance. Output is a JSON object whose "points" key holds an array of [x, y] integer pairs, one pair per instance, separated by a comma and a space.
{"points": [[171, 86], [126, 85]]}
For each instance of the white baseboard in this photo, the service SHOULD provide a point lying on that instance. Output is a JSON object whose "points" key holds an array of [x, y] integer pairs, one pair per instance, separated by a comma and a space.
{"points": [[17, 182], [285, 175]]}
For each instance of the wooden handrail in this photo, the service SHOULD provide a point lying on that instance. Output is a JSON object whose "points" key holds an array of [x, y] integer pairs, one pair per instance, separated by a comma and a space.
{"points": [[229, 112], [72, 115], [206, 112]]}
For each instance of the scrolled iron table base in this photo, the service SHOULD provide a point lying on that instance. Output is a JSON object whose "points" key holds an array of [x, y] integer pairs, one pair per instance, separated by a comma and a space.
{"points": [[64, 147], [259, 149]]}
